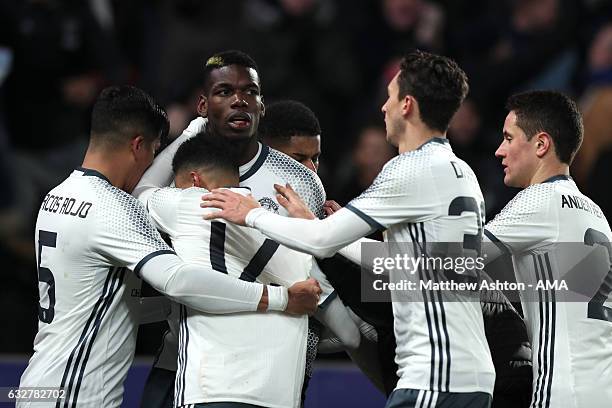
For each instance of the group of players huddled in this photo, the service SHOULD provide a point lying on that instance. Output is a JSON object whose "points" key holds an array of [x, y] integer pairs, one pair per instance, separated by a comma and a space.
{"points": [[255, 249]]}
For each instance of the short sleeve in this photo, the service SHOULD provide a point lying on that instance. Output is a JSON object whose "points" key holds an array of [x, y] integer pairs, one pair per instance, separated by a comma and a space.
{"points": [[124, 231], [527, 221], [394, 195]]}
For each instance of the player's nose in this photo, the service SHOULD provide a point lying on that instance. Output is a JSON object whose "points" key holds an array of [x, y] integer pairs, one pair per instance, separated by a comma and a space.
{"points": [[239, 100], [310, 164], [500, 153]]}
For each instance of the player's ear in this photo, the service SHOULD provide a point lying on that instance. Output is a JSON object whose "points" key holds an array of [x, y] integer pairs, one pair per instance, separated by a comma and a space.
{"points": [[203, 106], [544, 143], [262, 105], [195, 179], [137, 144], [407, 105]]}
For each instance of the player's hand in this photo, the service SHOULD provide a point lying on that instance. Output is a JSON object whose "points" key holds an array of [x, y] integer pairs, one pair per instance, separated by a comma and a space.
{"points": [[303, 297], [234, 207], [288, 198], [331, 207]]}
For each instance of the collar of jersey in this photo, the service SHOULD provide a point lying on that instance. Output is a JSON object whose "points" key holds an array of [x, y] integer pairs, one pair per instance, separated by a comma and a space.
{"points": [[557, 178], [95, 173], [439, 140], [252, 166]]}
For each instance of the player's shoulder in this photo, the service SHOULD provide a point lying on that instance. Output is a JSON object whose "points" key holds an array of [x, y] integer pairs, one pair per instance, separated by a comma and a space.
{"points": [[165, 196], [534, 197], [287, 167], [420, 161], [530, 204], [110, 201], [293, 172]]}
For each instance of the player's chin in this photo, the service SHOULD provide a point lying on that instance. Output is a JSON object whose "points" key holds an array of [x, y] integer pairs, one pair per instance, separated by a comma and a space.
{"points": [[239, 134], [510, 181]]}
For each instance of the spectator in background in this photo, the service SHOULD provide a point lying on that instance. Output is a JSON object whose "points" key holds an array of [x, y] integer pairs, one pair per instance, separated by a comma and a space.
{"points": [[391, 28], [303, 52], [369, 155], [191, 29], [61, 58], [592, 163], [518, 44], [476, 144]]}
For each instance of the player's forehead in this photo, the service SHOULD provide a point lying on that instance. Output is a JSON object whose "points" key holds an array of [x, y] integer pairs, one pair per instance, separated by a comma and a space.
{"points": [[510, 125], [393, 85], [236, 75], [306, 145]]}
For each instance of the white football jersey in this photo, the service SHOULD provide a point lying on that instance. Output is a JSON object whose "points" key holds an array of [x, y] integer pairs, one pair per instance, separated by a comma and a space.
{"points": [[424, 197], [252, 358], [542, 228], [268, 167], [88, 234]]}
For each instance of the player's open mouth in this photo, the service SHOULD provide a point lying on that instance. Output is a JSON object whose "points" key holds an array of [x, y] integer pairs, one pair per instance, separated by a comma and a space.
{"points": [[239, 120]]}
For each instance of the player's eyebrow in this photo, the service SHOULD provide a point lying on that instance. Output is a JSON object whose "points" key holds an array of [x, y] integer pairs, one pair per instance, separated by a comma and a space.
{"points": [[248, 85]]}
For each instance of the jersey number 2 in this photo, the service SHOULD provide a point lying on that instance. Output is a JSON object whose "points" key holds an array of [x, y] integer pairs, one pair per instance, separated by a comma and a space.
{"points": [[49, 240], [597, 310]]}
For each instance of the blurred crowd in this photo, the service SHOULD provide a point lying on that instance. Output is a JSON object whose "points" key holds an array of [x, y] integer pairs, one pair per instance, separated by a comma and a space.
{"points": [[336, 56]]}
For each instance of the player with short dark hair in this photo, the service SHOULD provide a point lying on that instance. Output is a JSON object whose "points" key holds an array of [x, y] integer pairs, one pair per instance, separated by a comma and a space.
{"points": [[551, 112], [258, 366], [91, 234], [292, 128], [437, 83], [546, 228], [117, 114], [423, 196], [211, 156]]}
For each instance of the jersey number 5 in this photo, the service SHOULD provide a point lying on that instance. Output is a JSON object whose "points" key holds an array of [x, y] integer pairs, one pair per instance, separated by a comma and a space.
{"points": [[46, 239]]}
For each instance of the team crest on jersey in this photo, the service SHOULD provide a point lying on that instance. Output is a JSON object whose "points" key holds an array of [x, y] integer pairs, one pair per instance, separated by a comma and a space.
{"points": [[269, 204]]}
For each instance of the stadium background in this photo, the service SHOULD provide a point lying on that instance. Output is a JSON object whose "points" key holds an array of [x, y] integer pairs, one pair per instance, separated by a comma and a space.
{"points": [[336, 56]]}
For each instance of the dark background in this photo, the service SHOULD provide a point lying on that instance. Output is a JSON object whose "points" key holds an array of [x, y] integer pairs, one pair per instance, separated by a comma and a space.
{"points": [[335, 56]]}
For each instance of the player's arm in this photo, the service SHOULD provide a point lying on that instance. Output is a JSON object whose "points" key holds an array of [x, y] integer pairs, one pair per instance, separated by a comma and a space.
{"points": [[321, 238], [297, 208], [159, 174], [391, 199], [213, 292], [131, 240]]}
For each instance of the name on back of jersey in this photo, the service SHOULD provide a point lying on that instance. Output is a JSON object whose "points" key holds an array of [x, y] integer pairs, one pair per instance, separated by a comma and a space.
{"points": [[65, 205], [571, 201]]}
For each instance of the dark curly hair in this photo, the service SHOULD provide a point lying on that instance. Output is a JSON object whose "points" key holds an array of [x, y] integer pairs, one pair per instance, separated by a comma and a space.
{"points": [[438, 85], [284, 119], [551, 112], [205, 150], [224, 59]]}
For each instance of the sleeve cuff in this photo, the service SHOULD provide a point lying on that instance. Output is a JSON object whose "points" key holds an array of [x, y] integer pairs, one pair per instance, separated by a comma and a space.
{"points": [[148, 258]]}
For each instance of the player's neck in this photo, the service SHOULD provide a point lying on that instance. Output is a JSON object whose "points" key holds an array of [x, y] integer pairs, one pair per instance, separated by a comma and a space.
{"points": [[548, 170], [110, 168], [249, 151], [222, 181], [415, 136]]}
